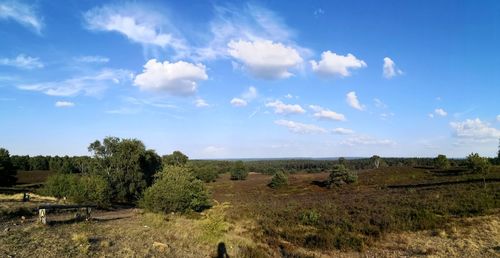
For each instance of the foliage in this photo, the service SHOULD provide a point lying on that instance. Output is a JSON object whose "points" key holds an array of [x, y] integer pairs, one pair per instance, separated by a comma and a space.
{"points": [[206, 173], [177, 158], [341, 175], [310, 217], [89, 189], [375, 161], [176, 190], [126, 165], [7, 169], [442, 162], [477, 164], [279, 179], [239, 171]]}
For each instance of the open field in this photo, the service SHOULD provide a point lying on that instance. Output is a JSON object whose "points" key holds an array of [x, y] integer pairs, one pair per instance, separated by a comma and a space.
{"points": [[305, 219]]}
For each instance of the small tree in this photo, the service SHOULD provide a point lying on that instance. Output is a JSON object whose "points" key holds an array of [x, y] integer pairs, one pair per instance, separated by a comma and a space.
{"points": [[279, 179], [176, 190], [478, 165], [239, 171], [342, 161], [341, 175], [441, 162], [375, 161], [177, 158], [7, 170]]}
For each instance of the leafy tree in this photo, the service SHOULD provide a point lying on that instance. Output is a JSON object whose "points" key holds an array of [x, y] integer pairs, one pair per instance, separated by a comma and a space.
{"points": [[279, 179], [177, 158], [239, 171], [341, 175], [7, 169], [60, 185], [21, 162], [478, 165], [176, 190], [375, 160], [441, 162], [125, 164], [342, 161], [206, 173], [39, 163]]}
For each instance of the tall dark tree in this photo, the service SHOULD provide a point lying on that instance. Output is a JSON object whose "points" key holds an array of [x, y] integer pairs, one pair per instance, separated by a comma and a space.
{"points": [[126, 164], [442, 162], [7, 170]]}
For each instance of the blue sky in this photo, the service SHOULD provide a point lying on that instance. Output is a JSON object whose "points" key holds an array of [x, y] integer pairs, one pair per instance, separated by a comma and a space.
{"points": [[239, 79]]}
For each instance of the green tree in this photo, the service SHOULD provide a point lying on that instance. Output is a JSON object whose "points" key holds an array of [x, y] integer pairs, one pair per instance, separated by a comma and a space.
{"points": [[7, 169], [341, 175], [280, 179], [441, 162], [375, 160], [478, 165], [176, 190], [239, 171], [342, 161], [177, 158], [125, 164]]}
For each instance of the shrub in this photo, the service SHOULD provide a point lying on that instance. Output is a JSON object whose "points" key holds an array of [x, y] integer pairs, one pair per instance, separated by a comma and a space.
{"points": [[206, 173], [176, 190], [341, 175], [441, 162], [92, 189], [477, 163], [279, 179], [239, 171], [7, 169], [310, 217]]}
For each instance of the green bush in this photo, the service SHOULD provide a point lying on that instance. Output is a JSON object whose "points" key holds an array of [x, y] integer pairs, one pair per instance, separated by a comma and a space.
{"points": [[341, 175], [206, 173], [239, 171], [86, 189], [441, 162], [310, 217], [279, 179], [176, 190]]}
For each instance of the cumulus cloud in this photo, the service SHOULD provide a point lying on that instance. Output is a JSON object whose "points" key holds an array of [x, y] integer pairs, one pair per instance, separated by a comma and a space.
{"points": [[201, 103], [332, 64], [250, 94], [265, 59], [344, 131], [475, 129], [63, 104], [179, 79], [366, 140], [440, 112], [389, 69], [296, 127], [92, 59], [326, 114], [90, 85], [353, 101], [21, 13], [285, 109], [237, 102], [22, 61], [137, 23]]}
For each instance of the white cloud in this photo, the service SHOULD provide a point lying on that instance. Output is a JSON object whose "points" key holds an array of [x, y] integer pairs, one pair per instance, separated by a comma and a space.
{"points": [[180, 78], [213, 150], [63, 104], [144, 26], [389, 69], [264, 58], [379, 103], [92, 59], [296, 127], [22, 61], [440, 112], [475, 129], [366, 140], [237, 102], [340, 130], [353, 101], [322, 113], [431, 115], [90, 85], [282, 108], [332, 64], [201, 103], [250, 94], [498, 118], [21, 13], [385, 116]]}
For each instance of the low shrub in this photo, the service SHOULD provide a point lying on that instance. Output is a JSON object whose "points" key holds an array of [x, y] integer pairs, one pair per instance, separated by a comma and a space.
{"points": [[239, 171], [60, 185], [279, 179], [341, 175], [176, 190]]}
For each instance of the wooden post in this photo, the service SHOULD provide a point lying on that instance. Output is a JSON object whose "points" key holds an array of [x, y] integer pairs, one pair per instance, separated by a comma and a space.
{"points": [[87, 213], [42, 216], [26, 197]]}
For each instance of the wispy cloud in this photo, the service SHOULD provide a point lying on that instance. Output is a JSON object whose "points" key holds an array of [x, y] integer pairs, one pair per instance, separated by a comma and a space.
{"points": [[92, 59], [353, 101], [285, 109], [475, 130], [22, 13], [326, 114], [91, 85], [389, 69], [22, 61], [301, 128], [64, 104]]}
